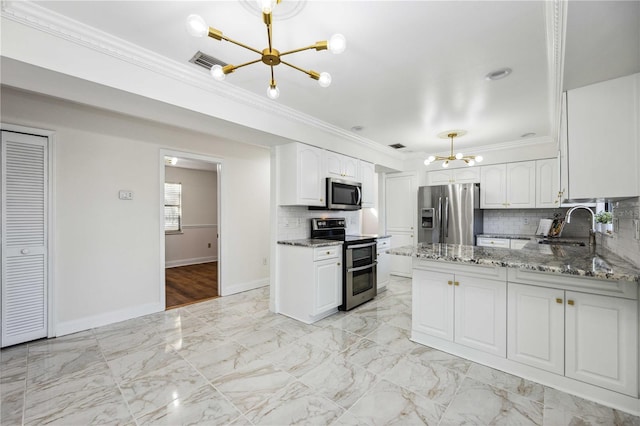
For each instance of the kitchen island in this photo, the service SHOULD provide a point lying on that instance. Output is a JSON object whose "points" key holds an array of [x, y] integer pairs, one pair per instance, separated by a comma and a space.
{"points": [[563, 316]]}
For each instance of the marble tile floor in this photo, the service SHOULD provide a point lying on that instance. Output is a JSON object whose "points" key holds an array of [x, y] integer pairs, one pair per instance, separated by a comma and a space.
{"points": [[231, 361]]}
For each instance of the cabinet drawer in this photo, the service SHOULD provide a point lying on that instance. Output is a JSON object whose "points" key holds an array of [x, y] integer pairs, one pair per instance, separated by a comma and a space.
{"points": [[383, 243], [493, 242], [322, 253]]}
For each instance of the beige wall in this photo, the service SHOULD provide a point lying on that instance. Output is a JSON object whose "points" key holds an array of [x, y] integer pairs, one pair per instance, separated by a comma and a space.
{"points": [[107, 252], [199, 218]]}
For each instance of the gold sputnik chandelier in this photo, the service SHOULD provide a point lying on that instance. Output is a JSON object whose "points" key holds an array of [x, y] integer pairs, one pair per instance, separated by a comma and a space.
{"points": [[470, 160], [197, 27]]}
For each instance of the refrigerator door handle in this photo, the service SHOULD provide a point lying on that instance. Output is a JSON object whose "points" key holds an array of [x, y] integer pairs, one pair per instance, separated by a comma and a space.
{"points": [[445, 223], [440, 219]]}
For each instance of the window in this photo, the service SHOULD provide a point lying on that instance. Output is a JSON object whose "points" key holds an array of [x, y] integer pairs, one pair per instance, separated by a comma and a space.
{"points": [[172, 207]]}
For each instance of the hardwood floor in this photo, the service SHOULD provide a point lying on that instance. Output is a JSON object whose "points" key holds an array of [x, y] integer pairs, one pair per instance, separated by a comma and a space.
{"points": [[191, 284]]}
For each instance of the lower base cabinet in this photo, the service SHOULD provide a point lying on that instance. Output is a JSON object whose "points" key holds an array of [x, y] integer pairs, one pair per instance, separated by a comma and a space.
{"points": [[384, 263], [587, 337], [310, 285], [461, 308]]}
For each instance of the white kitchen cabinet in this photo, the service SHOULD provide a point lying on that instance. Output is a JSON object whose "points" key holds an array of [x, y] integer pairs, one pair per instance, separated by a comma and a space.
{"points": [[518, 244], [602, 341], [342, 166], [547, 184], [301, 175], [510, 185], [468, 310], [536, 327], [310, 286], [401, 198], [493, 242], [367, 178], [384, 263], [449, 176], [602, 151]]}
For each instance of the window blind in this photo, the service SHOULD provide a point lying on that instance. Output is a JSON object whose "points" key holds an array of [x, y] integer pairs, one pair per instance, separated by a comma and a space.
{"points": [[172, 207]]}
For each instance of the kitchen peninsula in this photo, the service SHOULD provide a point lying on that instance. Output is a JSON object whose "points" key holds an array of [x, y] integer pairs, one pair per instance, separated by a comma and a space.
{"points": [[561, 315]]}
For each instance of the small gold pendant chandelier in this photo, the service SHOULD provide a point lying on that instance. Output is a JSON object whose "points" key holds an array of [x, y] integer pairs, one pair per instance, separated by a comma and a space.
{"points": [[470, 160], [197, 27]]}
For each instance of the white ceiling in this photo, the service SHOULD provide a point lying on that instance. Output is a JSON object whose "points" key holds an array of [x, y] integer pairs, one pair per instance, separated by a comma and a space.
{"points": [[412, 69]]}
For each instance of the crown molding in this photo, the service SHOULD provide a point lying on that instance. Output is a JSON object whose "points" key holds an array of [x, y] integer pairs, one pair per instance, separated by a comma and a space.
{"points": [[39, 18], [556, 22]]}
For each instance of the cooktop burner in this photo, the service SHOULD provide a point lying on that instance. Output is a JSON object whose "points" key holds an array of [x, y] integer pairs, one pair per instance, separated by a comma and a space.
{"points": [[336, 229]]}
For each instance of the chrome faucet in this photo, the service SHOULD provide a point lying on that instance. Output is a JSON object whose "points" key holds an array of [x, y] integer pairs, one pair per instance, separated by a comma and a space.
{"points": [[592, 231]]}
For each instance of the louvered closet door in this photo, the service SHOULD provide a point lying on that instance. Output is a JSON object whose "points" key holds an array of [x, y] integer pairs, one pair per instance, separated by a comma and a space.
{"points": [[24, 237]]}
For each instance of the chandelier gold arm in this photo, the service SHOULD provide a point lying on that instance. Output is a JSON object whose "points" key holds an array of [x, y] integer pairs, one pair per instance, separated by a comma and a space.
{"points": [[228, 69], [320, 45], [216, 34], [310, 73]]}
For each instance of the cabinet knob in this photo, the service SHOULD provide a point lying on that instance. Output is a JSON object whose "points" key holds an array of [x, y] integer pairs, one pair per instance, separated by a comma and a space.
{"points": [[24, 251], [570, 302], [450, 282], [328, 252], [322, 200], [338, 263], [456, 283], [558, 300]]}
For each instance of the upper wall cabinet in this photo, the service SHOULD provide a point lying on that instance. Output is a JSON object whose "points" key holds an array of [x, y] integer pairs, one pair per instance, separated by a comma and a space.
{"points": [[367, 177], [446, 177], [341, 166], [602, 145], [547, 184], [301, 175], [508, 186]]}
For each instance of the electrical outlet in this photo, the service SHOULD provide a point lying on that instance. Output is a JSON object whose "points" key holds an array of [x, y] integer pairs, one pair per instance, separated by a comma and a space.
{"points": [[525, 220], [125, 194], [209, 245]]}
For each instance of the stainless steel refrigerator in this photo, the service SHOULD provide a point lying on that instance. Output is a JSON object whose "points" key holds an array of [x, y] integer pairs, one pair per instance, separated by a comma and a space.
{"points": [[449, 214]]}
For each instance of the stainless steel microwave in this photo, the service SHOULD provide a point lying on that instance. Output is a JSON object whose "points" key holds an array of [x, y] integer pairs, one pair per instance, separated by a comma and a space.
{"points": [[343, 194]]}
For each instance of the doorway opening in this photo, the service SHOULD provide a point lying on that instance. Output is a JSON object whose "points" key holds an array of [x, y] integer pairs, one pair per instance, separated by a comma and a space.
{"points": [[190, 218]]}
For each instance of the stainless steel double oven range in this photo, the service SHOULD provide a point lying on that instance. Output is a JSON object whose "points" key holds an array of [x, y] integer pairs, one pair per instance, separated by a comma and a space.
{"points": [[358, 260]]}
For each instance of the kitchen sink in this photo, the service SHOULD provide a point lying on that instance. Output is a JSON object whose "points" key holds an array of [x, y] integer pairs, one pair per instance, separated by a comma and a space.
{"points": [[563, 243]]}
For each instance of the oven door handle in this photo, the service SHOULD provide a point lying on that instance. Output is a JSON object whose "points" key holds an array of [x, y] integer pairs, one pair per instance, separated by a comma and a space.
{"points": [[357, 246], [362, 268]]}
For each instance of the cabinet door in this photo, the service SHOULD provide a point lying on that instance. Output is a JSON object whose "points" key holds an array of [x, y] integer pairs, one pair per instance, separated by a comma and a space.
{"points": [[432, 303], [401, 265], [350, 168], [602, 341], [328, 285], [521, 185], [603, 120], [481, 314], [466, 175], [536, 327], [547, 183], [368, 177], [400, 205], [311, 179], [333, 162], [493, 186], [439, 177], [383, 270]]}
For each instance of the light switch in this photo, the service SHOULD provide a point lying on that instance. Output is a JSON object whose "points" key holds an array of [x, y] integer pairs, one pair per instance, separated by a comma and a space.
{"points": [[125, 194]]}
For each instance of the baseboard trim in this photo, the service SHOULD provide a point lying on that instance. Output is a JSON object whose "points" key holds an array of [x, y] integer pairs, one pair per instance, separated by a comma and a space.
{"points": [[237, 288], [192, 261], [86, 323]]}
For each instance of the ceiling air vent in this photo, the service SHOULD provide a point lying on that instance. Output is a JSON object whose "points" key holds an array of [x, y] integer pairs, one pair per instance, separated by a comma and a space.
{"points": [[206, 61], [397, 146]]}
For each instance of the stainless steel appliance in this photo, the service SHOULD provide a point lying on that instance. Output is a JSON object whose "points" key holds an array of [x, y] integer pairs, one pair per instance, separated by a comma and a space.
{"points": [[343, 194], [449, 214], [359, 273]]}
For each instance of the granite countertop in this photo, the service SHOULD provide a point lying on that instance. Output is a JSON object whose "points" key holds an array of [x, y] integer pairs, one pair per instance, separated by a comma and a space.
{"points": [[310, 242], [580, 261]]}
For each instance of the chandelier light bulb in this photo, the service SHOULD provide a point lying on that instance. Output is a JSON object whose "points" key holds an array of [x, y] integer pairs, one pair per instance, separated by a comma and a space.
{"points": [[471, 163], [273, 92], [459, 156], [325, 79], [196, 26], [217, 73], [445, 164], [479, 158], [266, 5], [337, 44], [431, 158]]}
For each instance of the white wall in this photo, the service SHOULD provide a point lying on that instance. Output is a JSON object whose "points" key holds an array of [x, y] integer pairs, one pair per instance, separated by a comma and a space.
{"points": [[107, 251], [199, 218]]}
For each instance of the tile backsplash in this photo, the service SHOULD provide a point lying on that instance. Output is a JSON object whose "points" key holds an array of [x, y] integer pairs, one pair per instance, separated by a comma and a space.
{"points": [[622, 242], [525, 221], [294, 221]]}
